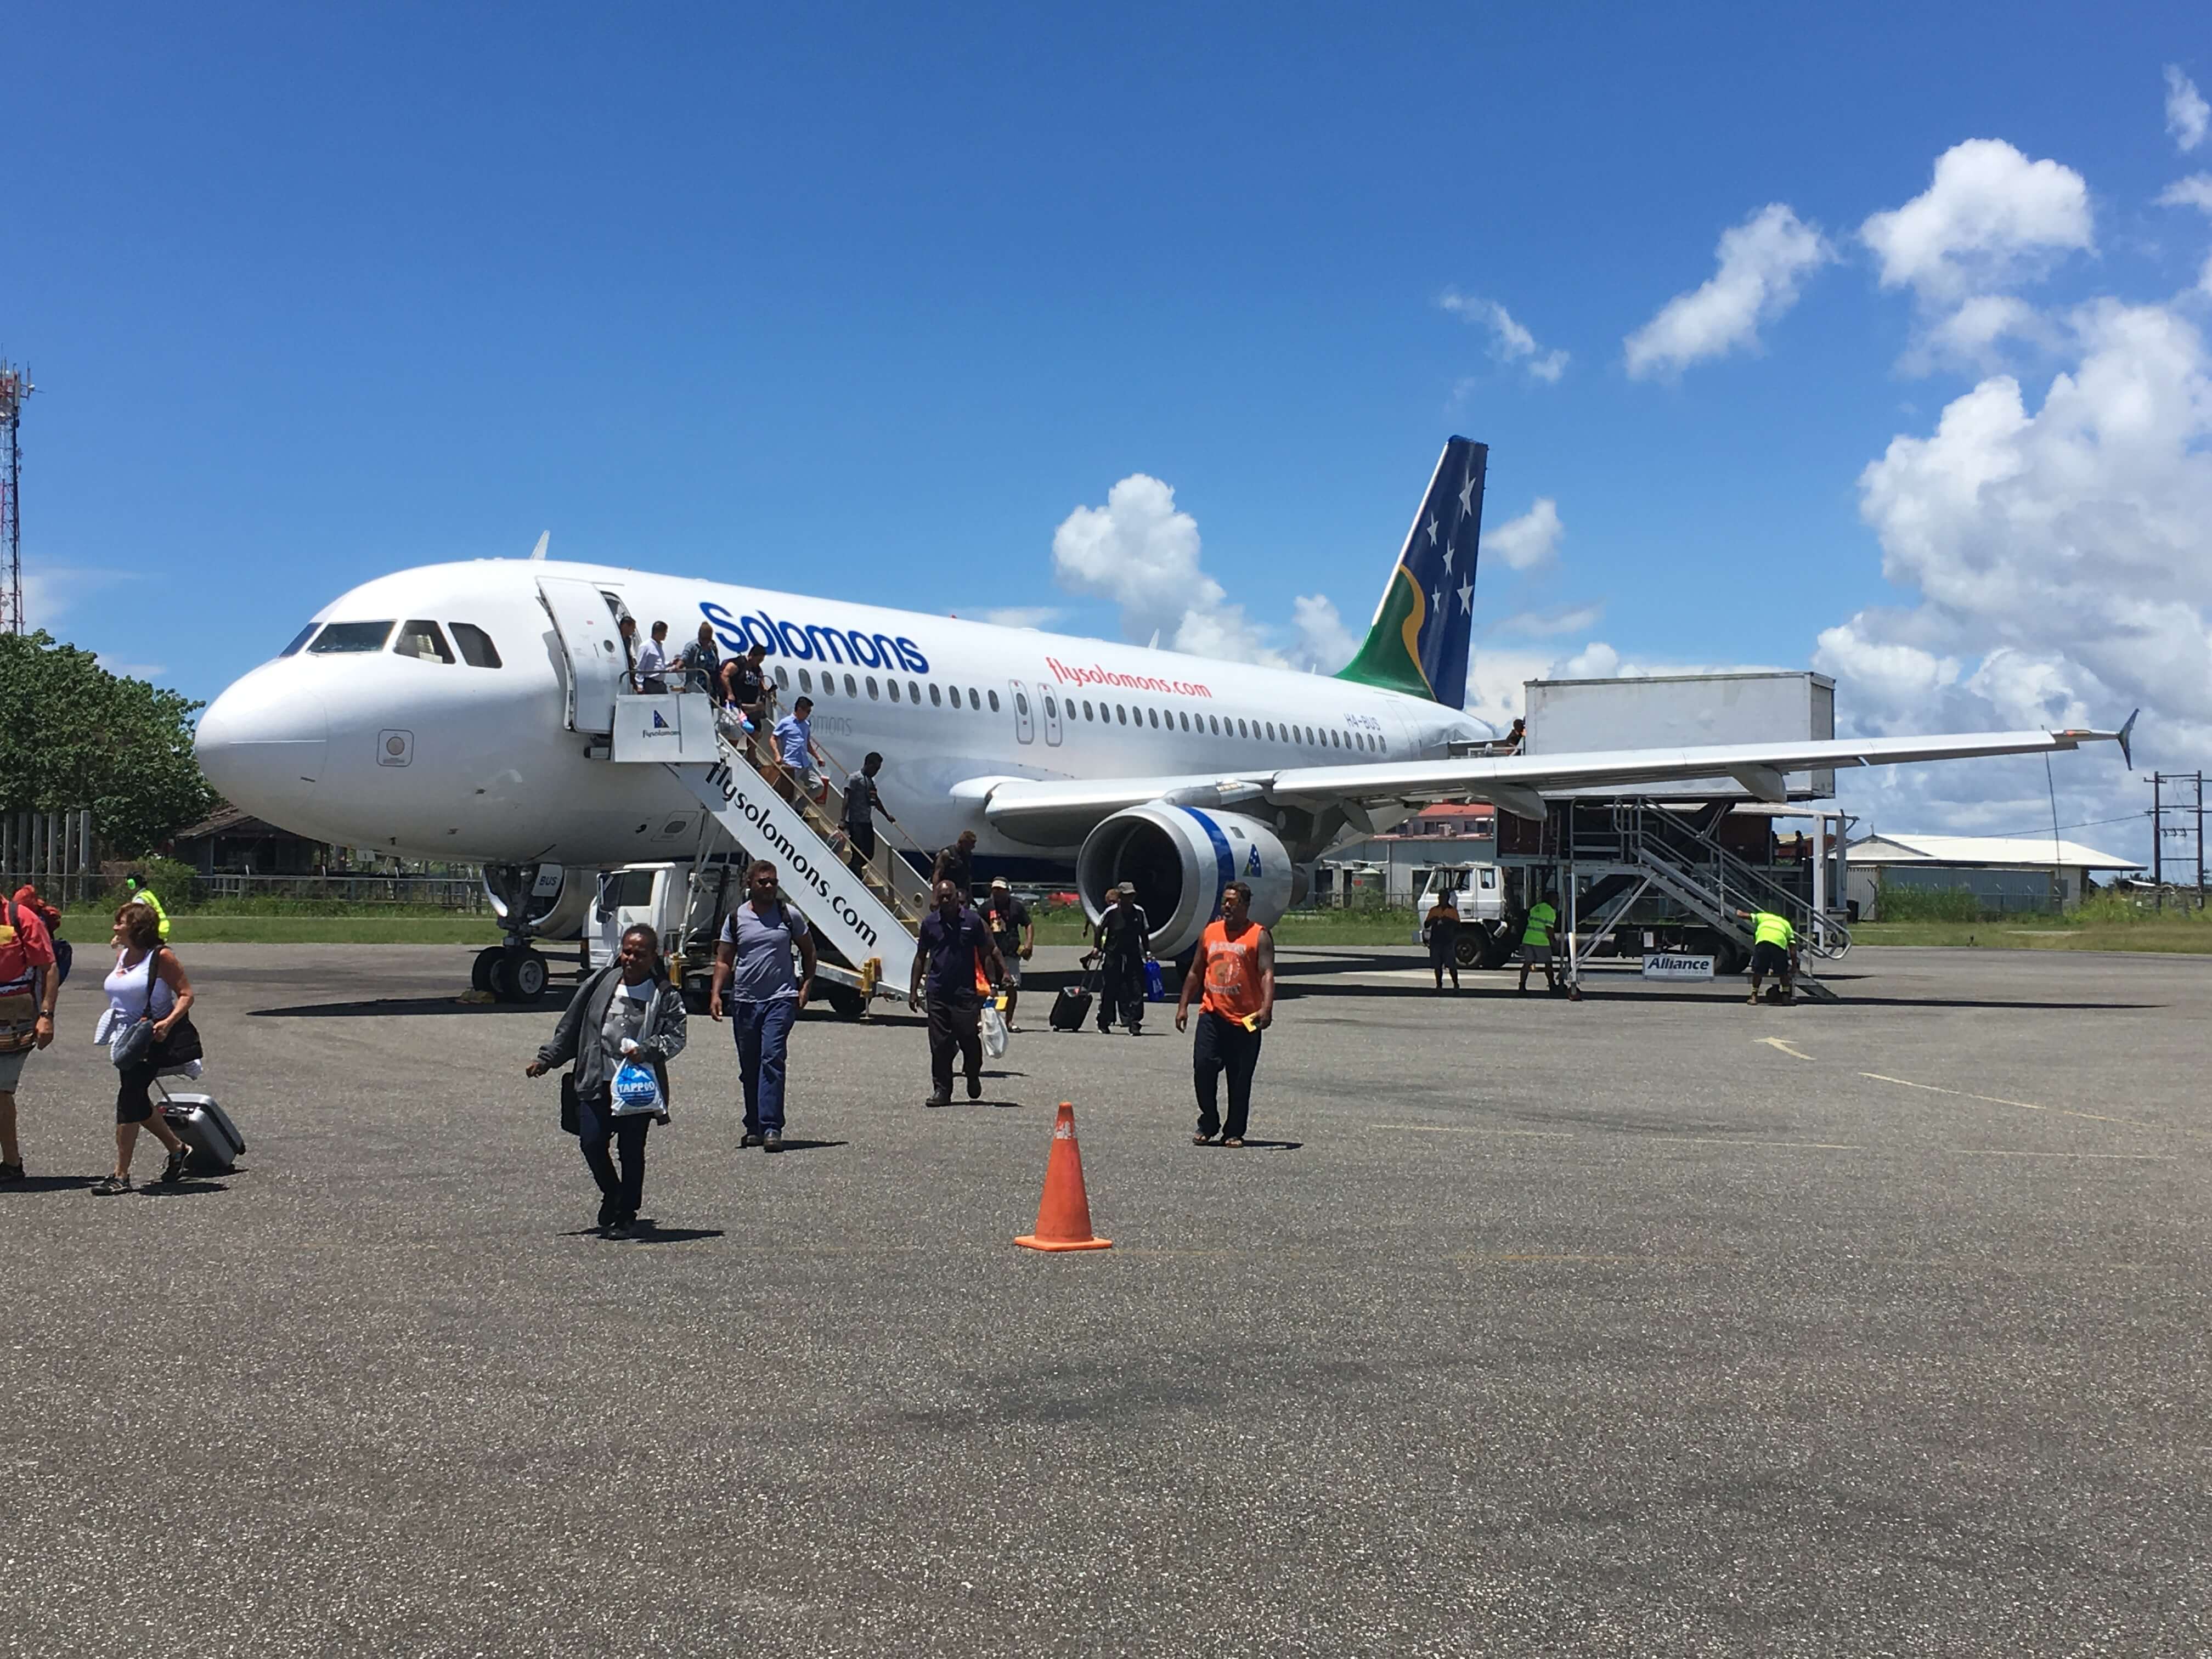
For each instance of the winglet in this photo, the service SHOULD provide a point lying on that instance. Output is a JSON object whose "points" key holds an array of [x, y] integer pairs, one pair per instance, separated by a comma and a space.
{"points": [[538, 551], [2126, 737]]}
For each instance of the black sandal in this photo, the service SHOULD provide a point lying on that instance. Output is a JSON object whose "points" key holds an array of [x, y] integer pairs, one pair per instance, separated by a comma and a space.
{"points": [[109, 1185]]}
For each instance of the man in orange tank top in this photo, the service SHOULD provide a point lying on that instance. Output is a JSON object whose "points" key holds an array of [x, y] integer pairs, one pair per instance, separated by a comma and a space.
{"points": [[1233, 975]]}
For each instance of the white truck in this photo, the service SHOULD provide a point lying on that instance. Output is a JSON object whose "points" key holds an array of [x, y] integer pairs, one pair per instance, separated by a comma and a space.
{"points": [[684, 903]]}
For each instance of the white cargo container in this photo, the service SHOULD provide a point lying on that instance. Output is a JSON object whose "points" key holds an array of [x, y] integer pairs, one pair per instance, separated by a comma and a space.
{"points": [[1684, 711]]}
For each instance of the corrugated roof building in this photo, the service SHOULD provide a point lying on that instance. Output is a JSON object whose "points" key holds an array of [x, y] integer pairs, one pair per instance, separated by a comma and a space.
{"points": [[2005, 873]]}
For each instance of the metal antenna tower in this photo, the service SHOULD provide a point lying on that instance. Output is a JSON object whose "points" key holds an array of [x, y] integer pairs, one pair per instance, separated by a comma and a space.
{"points": [[15, 387]]}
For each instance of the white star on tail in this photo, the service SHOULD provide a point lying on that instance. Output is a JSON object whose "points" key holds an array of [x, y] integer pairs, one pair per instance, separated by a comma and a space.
{"points": [[1435, 600], [1450, 548], [1432, 530], [1467, 598], [1466, 494]]}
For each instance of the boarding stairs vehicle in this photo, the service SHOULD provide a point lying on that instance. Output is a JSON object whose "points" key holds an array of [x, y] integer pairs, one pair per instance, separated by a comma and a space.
{"points": [[864, 920], [1639, 847]]}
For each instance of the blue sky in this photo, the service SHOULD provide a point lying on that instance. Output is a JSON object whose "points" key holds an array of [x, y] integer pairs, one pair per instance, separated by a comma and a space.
{"points": [[870, 303]]}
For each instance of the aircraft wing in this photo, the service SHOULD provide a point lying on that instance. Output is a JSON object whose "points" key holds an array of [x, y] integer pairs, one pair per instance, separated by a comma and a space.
{"points": [[1049, 812]]}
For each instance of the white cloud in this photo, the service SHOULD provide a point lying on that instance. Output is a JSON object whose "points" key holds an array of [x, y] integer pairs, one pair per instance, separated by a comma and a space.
{"points": [[1762, 263], [2195, 190], [1140, 551], [1529, 540], [1969, 338], [2187, 114], [1511, 342], [2062, 572], [1989, 218], [1021, 616], [1324, 643], [1543, 624]]}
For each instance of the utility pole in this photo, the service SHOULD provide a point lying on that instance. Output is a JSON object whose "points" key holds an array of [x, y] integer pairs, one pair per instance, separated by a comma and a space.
{"points": [[15, 387], [2187, 804]]}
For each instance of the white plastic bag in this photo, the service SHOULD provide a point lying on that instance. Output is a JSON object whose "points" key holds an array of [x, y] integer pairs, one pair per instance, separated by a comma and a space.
{"points": [[994, 1030]]}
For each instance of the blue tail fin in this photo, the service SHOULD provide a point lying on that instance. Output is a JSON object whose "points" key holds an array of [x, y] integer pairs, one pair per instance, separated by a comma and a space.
{"points": [[1417, 643]]}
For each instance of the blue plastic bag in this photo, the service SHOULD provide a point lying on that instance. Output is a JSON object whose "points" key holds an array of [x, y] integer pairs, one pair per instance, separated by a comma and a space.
{"points": [[1156, 983]]}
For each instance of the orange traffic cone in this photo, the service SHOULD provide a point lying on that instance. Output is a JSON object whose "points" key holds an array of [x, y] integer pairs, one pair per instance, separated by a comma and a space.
{"points": [[1063, 1220]]}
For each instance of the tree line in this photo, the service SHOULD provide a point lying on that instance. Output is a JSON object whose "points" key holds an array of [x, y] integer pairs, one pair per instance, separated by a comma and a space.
{"points": [[72, 734]]}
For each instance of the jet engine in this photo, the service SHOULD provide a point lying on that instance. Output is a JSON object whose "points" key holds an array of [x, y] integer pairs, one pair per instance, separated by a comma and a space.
{"points": [[1179, 859]]}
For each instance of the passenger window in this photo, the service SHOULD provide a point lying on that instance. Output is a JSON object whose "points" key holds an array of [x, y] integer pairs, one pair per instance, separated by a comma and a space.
{"points": [[891, 686], [936, 696], [348, 637], [851, 688], [1214, 725], [914, 690], [974, 702], [1051, 708], [1121, 713], [871, 687], [1155, 714], [805, 680], [994, 702], [300, 639], [1087, 714], [476, 648], [1021, 704], [783, 679]]}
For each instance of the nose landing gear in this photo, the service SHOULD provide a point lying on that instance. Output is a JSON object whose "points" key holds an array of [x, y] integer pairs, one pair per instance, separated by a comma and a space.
{"points": [[511, 972]]}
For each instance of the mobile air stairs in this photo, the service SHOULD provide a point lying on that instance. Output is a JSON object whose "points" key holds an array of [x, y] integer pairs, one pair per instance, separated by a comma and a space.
{"points": [[1637, 848], [864, 915]]}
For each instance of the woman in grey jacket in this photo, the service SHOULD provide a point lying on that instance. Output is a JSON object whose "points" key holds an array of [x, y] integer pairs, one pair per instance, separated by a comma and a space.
{"points": [[630, 1011]]}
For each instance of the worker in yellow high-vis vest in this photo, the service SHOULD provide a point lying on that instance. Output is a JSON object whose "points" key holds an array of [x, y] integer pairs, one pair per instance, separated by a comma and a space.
{"points": [[135, 891], [1537, 936], [1774, 946]]}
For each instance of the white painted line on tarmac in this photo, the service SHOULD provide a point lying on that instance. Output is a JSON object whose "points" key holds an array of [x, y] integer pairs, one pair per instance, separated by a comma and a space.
{"points": [[1784, 1045], [2014, 1152], [1477, 1129], [1999, 1100]]}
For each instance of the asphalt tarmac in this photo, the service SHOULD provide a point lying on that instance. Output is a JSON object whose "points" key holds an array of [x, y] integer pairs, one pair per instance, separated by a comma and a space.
{"points": [[1653, 1324]]}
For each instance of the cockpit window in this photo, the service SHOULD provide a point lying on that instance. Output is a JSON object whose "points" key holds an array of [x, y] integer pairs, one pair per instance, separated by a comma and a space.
{"points": [[300, 639], [476, 648], [425, 640], [350, 636]]}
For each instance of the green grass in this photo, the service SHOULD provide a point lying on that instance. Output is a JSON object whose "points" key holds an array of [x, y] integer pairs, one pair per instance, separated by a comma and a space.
{"points": [[89, 929], [2097, 925], [1300, 927]]}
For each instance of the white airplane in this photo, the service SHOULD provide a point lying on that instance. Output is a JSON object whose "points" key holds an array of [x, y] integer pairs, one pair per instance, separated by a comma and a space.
{"points": [[459, 711]]}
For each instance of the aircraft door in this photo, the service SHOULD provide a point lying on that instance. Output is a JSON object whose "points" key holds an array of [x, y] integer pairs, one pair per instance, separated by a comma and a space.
{"points": [[1051, 714], [584, 622], [1024, 716]]}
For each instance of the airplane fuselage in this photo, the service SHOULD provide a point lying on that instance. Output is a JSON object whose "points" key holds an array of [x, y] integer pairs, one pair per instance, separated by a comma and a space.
{"points": [[407, 753]]}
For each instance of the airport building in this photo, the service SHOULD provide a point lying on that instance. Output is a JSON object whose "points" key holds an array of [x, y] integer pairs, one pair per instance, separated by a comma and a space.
{"points": [[2003, 872]]}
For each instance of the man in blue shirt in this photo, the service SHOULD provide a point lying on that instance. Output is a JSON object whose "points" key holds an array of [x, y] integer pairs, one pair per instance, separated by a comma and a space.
{"points": [[794, 747], [952, 944], [755, 953]]}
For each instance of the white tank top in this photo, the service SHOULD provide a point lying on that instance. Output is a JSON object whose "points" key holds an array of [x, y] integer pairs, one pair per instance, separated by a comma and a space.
{"points": [[126, 990]]}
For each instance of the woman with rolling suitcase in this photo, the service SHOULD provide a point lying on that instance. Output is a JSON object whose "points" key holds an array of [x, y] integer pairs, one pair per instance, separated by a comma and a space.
{"points": [[150, 1026]]}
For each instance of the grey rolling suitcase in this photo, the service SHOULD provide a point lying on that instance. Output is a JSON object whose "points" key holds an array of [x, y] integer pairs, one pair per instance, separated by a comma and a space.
{"points": [[206, 1128]]}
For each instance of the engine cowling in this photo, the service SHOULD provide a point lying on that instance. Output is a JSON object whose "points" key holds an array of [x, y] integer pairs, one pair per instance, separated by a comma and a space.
{"points": [[1180, 858]]}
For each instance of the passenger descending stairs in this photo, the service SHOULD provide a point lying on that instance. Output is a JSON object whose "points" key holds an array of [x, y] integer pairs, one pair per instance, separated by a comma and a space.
{"points": [[868, 918], [1682, 857]]}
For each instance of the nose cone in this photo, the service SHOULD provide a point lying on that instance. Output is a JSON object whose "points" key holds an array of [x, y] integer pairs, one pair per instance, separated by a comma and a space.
{"points": [[263, 742]]}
